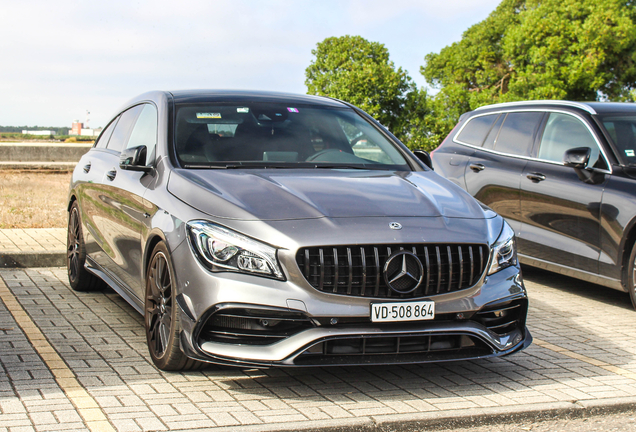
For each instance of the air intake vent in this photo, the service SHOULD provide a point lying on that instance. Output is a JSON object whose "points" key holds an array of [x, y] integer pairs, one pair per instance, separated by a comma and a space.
{"points": [[358, 270]]}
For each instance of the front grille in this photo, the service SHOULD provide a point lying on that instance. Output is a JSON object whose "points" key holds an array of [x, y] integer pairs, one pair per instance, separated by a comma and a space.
{"points": [[393, 349], [357, 270]]}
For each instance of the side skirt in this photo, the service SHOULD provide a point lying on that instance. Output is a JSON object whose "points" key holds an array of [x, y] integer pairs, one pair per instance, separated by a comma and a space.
{"points": [[126, 294], [572, 272]]}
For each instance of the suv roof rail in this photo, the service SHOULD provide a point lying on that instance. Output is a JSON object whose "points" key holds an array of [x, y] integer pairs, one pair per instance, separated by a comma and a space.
{"points": [[580, 105]]}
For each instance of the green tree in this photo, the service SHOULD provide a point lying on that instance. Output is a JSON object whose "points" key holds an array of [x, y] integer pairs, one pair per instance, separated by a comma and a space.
{"points": [[536, 49], [355, 70]]}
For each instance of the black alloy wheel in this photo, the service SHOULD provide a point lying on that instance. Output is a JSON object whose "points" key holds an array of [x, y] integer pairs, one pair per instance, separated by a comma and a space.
{"points": [[161, 314], [631, 276], [79, 278]]}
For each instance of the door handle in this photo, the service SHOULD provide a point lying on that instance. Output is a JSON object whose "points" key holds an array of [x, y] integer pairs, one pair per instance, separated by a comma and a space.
{"points": [[87, 167], [110, 175], [477, 167], [535, 177]]}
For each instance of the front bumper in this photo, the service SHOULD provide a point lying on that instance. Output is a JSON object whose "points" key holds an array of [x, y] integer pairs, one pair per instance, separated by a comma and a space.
{"points": [[227, 319], [497, 330]]}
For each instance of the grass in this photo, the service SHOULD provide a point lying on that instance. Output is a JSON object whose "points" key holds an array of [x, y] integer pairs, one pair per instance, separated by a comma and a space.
{"points": [[32, 199]]}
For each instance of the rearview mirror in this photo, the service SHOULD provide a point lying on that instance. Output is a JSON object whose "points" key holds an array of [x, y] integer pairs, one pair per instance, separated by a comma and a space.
{"points": [[134, 159], [425, 157]]}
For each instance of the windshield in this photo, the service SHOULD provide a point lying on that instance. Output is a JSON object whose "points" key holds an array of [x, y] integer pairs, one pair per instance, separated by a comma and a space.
{"points": [[622, 129], [272, 135]]}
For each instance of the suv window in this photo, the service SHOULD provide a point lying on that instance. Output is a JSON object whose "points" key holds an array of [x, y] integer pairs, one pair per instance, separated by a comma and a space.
{"points": [[476, 129], [517, 133], [563, 132], [145, 131], [122, 130], [622, 130]]}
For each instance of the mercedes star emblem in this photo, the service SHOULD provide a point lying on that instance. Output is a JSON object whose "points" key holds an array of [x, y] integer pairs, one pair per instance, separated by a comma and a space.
{"points": [[403, 272]]}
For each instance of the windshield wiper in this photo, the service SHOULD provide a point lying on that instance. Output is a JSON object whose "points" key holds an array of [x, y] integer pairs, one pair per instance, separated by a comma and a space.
{"points": [[342, 166]]}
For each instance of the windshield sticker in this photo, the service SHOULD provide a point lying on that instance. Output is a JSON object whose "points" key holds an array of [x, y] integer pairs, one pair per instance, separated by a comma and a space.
{"points": [[242, 110], [208, 115], [629, 153], [294, 110]]}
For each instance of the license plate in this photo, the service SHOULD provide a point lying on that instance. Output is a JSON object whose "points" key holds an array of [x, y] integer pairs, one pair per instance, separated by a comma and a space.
{"points": [[402, 311]]}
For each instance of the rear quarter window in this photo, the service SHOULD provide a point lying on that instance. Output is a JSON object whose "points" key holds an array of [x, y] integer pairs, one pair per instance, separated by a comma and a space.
{"points": [[476, 129]]}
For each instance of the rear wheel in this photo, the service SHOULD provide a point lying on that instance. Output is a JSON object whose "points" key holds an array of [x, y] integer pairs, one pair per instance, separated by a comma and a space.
{"points": [[79, 278], [161, 315], [631, 276]]}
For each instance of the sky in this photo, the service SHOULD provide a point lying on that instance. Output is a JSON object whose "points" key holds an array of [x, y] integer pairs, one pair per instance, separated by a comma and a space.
{"points": [[62, 58]]}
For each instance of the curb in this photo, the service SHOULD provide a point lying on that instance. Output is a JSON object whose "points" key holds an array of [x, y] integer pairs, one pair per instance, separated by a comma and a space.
{"points": [[452, 420], [33, 259]]}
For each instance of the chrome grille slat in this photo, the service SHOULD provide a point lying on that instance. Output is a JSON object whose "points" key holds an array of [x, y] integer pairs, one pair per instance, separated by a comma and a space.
{"points": [[357, 270]]}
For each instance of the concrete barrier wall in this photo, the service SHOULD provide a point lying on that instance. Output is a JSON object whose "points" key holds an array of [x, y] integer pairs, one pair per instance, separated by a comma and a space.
{"points": [[42, 152]]}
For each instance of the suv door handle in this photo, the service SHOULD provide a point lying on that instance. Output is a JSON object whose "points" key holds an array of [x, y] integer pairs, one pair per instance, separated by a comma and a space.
{"points": [[110, 175], [87, 167], [477, 167], [535, 177]]}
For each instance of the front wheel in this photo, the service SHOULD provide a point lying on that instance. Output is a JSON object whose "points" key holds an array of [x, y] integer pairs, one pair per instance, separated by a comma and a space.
{"points": [[161, 314], [631, 276]]}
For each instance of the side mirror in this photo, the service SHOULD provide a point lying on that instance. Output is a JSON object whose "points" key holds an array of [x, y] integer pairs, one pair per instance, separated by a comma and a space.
{"points": [[577, 157], [134, 159], [425, 157]]}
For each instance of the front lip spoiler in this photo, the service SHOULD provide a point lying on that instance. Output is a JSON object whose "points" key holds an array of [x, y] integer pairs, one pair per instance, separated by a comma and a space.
{"points": [[283, 353]]}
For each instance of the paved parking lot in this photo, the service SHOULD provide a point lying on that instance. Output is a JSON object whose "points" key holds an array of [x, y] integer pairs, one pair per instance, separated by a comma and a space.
{"points": [[78, 361]]}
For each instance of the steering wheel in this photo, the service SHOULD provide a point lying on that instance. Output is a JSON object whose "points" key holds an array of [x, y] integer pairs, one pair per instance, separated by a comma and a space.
{"points": [[321, 153]]}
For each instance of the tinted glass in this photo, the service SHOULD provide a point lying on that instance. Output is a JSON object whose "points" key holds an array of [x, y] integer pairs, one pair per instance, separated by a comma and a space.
{"points": [[145, 131], [489, 143], [122, 130], [102, 141], [622, 129], [563, 132], [517, 133], [262, 134], [476, 129]]}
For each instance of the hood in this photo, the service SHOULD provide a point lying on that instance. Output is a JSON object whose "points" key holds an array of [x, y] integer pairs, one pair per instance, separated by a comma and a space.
{"points": [[283, 194]]}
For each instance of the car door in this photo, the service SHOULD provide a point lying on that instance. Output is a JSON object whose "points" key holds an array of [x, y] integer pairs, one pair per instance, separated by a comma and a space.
{"points": [[120, 196], [560, 212], [493, 173]]}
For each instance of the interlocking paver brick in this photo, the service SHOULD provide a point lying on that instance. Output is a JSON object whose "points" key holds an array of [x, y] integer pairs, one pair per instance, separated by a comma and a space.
{"points": [[101, 339]]}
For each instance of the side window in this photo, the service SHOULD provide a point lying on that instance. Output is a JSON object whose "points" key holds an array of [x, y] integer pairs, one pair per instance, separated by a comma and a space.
{"points": [[476, 129], [517, 133], [563, 132], [122, 129], [102, 141], [145, 131], [494, 133]]}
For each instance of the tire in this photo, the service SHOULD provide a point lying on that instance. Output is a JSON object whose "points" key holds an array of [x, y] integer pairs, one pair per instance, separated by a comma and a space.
{"points": [[79, 278], [631, 276], [161, 315]]}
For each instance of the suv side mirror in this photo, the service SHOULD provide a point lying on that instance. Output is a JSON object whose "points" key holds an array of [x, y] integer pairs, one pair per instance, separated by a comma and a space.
{"points": [[425, 157], [577, 157], [134, 159]]}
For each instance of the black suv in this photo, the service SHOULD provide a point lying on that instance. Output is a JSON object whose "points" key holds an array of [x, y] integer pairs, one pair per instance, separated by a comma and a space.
{"points": [[563, 174]]}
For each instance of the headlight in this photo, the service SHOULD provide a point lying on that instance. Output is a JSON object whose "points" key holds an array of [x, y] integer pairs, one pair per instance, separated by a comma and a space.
{"points": [[221, 249], [504, 251]]}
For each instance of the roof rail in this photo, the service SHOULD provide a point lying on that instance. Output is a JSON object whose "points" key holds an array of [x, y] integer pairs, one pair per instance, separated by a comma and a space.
{"points": [[580, 105]]}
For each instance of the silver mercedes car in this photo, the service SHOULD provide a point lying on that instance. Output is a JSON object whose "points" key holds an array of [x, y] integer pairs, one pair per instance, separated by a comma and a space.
{"points": [[266, 229]]}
